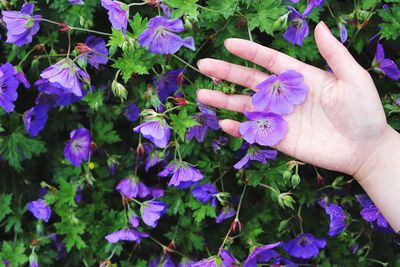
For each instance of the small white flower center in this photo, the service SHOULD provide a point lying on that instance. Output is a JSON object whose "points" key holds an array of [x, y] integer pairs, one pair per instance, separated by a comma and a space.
{"points": [[264, 124]]}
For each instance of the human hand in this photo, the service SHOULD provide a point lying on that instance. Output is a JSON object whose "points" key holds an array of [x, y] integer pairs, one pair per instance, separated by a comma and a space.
{"points": [[340, 124]]}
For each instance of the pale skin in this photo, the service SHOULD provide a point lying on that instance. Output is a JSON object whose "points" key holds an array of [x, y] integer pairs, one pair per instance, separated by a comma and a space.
{"points": [[341, 126]]}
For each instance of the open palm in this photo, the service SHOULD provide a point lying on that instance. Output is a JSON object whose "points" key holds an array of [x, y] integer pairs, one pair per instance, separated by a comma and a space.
{"points": [[341, 122]]}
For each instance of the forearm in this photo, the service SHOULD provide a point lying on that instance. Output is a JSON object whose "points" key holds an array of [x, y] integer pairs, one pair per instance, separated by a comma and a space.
{"points": [[380, 177]]}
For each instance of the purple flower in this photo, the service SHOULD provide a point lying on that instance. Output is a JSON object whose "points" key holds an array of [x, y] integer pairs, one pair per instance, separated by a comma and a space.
{"points": [[207, 120], [280, 93], [117, 13], [21, 25], [370, 212], [156, 131], [305, 246], [154, 158], [262, 254], [385, 65], [337, 219], [183, 175], [218, 142], [134, 220], [65, 75], [98, 54], [128, 187], [254, 153], [266, 129], [281, 261], [169, 83], [76, 2], [35, 119], [54, 95], [227, 259], [298, 28], [78, 147], [132, 112], [8, 87], [225, 214], [126, 235], [152, 211], [310, 6], [343, 33], [205, 192], [20, 76], [397, 101], [164, 261], [156, 192], [33, 260], [160, 36], [78, 194], [39, 209]]}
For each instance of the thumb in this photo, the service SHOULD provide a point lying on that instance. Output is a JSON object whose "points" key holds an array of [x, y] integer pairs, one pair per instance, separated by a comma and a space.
{"points": [[339, 59]]}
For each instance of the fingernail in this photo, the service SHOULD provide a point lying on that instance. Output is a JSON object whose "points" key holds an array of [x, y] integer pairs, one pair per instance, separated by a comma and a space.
{"points": [[324, 25], [198, 62], [226, 42]]}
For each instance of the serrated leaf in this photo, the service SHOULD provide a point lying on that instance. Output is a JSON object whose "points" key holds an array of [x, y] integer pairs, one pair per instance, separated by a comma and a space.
{"points": [[14, 252], [104, 133], [186, 8], [267, 12], [5, 205], [138, 25], [390, 27], [131, 63], [182, 122]]}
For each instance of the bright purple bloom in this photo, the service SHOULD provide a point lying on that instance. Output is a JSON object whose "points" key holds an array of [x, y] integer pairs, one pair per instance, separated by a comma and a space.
{"points": [[298, 28], [54, 95], [33, 260], [385, 65], [128, 187], [227, 259], [310, 6], [78, 147], [134, 220], [262, 254], [305, 246], [266, 129], [254, 153], [370, 212], [76, 2], [156, 131], [154, 158], [156, 192], [132, 112], [183, 175], [40, 209], [225, 214], [152, 211], [166, 10], [343, 33], [98, 54], [160, 36], [20, 76], [169, 83], [117, 13], [280, 93], [8, 87], [337, 219], [206, 192], [207, 120], [66, 75], [21, 25], [126, 235], [166, 262], [35, 119]]}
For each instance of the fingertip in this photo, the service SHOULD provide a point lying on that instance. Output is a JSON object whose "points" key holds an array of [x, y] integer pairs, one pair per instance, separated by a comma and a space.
{"points": [[205, 65], [231, 127]]}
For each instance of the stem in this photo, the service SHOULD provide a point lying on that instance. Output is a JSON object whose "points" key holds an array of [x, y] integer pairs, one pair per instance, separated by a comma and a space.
{"points": [[165, 248], [75, 28], [186, 63], [137, 201], [26, 56], [330, 10], [69, 45], [269, 187], [137, 4], [300, 218]]}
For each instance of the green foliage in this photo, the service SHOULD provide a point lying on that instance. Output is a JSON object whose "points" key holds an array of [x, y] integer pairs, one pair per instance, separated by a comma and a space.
{"points": [[187, 8], [5, 205], [182, 122], [391, 22], [14, 252], [266, 13]]}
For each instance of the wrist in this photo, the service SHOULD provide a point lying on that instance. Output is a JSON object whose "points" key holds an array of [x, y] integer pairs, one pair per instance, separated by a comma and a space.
{"points": [[385, 153]]}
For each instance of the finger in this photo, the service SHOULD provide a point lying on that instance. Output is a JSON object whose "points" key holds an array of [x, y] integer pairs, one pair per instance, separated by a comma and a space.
{"points": [[339, 59], [230, 127], [268, 58], [238, 103], [237, 74]]}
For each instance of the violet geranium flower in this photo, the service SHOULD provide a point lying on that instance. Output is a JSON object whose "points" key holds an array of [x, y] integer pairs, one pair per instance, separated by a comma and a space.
{"points": [[183, 175], [8, 87], [206, 192], [262, 254], [152, 211], [265, 129], [78, 147], [305, 246], [40, 209], [224, 214], [298, 28], [254, 153], [35, 119], [157, 131], [310, 6], [132, 112], [343, 33], [76, 2], [280, 93], [21, 25], [337, 219], [126, 235], [54, 95], [117, 13], [160, 36], [227, 258], [66, 75], [169, 83], [370, 212], [128, 187], [385, 65], [98, 53], [207, 120]]}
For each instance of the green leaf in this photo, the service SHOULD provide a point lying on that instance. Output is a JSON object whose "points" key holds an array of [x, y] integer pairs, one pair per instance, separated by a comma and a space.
{"points": [[131, 62], [17, 147], [5, 205], [186, 8], [390, 27], [267, 12], [182, 122], [201, 210], [72, 232], [104, 133], [224, 7], [235, 143], [14, 252], [94, 99], [138, 25], [116, 40], [64, 196]]}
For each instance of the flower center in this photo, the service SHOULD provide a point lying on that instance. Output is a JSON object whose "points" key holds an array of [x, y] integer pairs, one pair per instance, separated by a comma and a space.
{"points": [[276, 88], [304, 241], [3, 86], [264, 124], [77, 146], [298, 23]]}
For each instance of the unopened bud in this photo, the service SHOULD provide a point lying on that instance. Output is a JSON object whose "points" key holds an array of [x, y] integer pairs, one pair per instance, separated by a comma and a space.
{"points": [[236, 224], [216, 81], [320, 180], [139, 150], [64, 27], [119, 90], [295, 181], [92, 146], [153, 2], [180, 101], [82, 48]]}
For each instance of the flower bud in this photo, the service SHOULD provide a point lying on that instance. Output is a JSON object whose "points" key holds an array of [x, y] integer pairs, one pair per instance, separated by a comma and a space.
{"points": [[320, 180], [295, 181], [119, 90], [139, 150], [236, 224], [82, 48], [216, 81], [64, 27], [92, 146], [287, 175], [180, 101]]}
